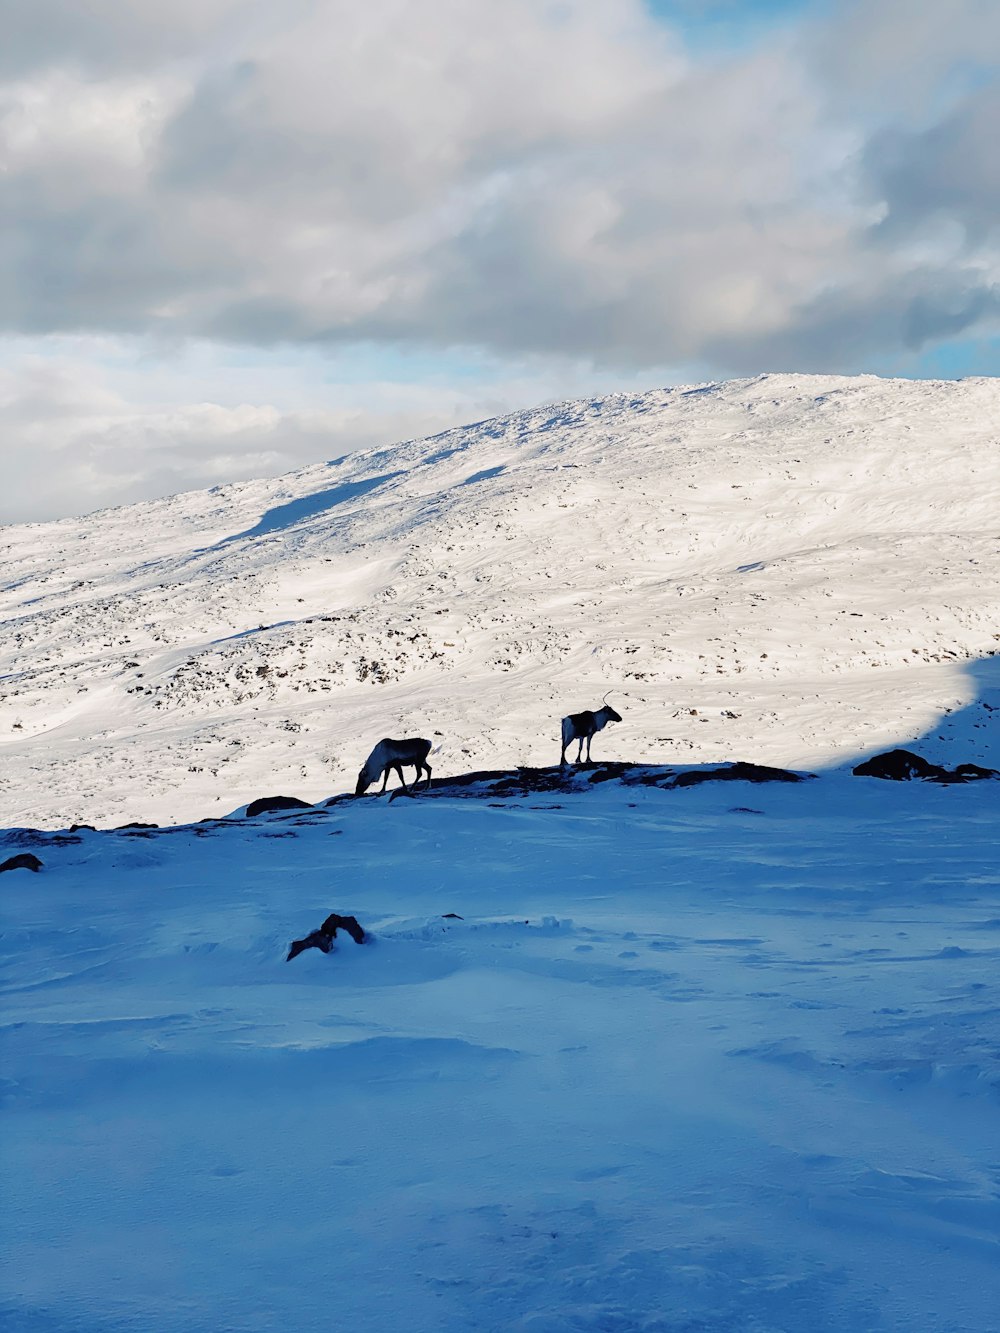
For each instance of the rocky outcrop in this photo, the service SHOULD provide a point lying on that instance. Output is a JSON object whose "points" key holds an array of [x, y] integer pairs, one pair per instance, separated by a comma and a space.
{"points": [[266, 804], [323, 938], [739, 772], [23, 861], [527, 781], [904, 766]]}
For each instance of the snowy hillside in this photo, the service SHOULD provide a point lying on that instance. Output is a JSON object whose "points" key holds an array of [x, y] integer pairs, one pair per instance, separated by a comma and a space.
{"points": [[792, 569]]}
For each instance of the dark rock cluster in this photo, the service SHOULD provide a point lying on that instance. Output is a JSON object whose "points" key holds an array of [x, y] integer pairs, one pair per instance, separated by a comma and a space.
{"points": [[266, 804], [23, 861], [904, 766], [324, 937], [739, 772]]}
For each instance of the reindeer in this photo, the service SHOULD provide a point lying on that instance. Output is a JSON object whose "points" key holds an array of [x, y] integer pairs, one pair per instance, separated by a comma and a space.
{"points": [[582, 726], [389, 755]]}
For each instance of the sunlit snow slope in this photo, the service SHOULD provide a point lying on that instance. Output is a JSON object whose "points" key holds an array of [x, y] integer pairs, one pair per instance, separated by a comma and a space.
{"points": [[791, 569]]}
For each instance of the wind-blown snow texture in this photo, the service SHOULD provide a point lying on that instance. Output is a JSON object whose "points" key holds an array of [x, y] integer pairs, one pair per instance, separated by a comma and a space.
{"points": [[721, 1059], [800, 551], [682, 1066]]}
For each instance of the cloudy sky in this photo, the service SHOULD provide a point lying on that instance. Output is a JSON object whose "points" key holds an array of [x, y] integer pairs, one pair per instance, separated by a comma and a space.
{"points": [[240, 236]]}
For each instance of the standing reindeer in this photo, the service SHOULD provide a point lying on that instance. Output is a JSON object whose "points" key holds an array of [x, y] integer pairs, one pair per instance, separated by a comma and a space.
{"points": [[582, 726], [389, 755]]}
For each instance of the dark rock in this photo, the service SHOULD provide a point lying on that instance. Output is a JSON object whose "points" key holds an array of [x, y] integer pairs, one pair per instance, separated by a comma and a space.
{"points": [[333, 923], [661, 778], [317, 939], [82, 828], [740, 772], [23, 861], [472, 779], [530, 781], [897, 766], [33, 837], [268, 803], [451, 916], [606, 772], [500, 782], [323, 938], [970, 773], [904, 766], [124, 828]]}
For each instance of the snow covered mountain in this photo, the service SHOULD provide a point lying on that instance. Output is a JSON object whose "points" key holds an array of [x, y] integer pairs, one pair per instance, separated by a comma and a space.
{"points": [[792, 569]]}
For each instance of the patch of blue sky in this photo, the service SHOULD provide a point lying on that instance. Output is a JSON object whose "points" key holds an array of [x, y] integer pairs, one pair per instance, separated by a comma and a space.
{"points": [[951, 360], [706, 25]]}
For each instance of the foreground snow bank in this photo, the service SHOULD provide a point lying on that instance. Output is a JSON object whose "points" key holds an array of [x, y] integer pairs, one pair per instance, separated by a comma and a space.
{"points": [[721, 1058]]}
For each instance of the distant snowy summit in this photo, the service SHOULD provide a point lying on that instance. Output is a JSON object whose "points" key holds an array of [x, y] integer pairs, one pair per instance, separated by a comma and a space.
{"points": [[790, 569]]}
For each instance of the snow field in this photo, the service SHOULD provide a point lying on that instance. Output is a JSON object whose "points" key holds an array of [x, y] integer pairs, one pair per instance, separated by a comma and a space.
{"points": [[718, 1058]]}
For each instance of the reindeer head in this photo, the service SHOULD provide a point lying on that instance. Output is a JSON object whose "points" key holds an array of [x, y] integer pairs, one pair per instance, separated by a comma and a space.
{"points": [[364, 782], [608, 711]]}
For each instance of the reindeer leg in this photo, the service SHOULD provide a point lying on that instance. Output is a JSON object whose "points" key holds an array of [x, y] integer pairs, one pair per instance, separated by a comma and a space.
{"points": [[399, 770], [579, 753], [427, 770], [385, 778]]}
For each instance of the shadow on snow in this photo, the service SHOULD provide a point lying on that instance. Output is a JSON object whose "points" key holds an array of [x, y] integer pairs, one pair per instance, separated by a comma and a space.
{"points": [[309, 506]]}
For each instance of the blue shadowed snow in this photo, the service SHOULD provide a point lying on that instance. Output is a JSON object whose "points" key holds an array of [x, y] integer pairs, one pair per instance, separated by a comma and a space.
{"points": [[485, 475], [681, 1064], [309, 506]]}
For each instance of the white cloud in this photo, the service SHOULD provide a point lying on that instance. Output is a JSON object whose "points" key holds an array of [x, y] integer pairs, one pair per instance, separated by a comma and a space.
{"points": [[528, 177], [904, 60], [113, 36], [533, 179]]}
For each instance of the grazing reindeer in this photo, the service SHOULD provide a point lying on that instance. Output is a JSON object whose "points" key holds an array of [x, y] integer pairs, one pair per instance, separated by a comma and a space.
{"points": [[582, 726], [389, 755]]}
